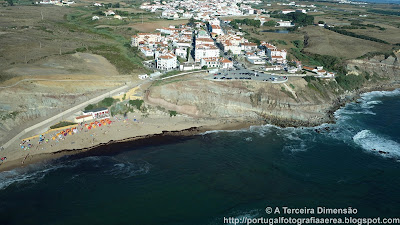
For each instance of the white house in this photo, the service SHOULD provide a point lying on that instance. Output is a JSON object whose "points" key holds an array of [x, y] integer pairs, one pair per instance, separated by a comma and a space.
{"points": [[273, 68], [276, 55], [187, 15], [225, 63], [143, 76], [96, 113], [47, 2], [248, 46], [235, 49], [97, 4], [211, 62], [216, 62], [83, 118], [181, 52], [144, 37], [205, 51], [254, 59], [95, 18], [216, 29], [166, 61], [109, 13], [286, 11], [146, 51], [204, 41], [285, 24]]}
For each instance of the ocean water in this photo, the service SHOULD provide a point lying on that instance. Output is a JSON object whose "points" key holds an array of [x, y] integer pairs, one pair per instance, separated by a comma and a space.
{"points": [[204, 178], [380, 1]]}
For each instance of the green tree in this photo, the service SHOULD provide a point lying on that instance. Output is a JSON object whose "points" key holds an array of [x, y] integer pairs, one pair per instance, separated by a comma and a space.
{"points": [[137, 103], [10, 2], [172, 113], [191, 22], [270, 23]]}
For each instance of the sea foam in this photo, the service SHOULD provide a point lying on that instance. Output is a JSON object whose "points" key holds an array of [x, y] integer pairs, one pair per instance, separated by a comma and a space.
{"points": [[36, 172], [370, 141], [129, 169]]}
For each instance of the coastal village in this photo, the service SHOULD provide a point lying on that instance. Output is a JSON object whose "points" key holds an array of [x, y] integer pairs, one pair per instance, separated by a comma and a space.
{"points": [[208, 42], [215, 111]]}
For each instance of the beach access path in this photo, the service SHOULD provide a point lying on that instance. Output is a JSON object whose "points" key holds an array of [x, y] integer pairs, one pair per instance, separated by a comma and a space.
{"points": [[50, 121]]}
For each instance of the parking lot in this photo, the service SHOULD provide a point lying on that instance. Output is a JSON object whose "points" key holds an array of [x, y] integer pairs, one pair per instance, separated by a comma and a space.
{"points": [[240, 73]]}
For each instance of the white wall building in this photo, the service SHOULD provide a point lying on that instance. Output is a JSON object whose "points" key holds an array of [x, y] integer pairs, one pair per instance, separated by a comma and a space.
{"points": [[181, 52], [144, 38], [216, 62], [216, 29], [285, 24], [254, 59], [205, 51], [146, 51], [166, 62]]}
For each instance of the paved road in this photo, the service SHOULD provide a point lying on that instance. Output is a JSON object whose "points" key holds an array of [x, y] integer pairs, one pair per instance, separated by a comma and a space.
{"points": [[181, 74], [18, 82], [52, 120]]}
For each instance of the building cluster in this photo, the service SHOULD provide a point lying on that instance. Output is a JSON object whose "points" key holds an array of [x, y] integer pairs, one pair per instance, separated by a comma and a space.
{"points": [[297, 5], [202, 10], [56, 2], [166, 46], [204, 44]]}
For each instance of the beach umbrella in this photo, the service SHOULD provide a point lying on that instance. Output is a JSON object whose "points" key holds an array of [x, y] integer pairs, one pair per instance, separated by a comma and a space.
{"points": [[89, 127], [70, 133], [65, 134], [54, 138]]}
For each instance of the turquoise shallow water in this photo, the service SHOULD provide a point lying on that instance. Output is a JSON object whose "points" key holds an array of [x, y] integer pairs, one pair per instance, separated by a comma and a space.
{"points": [[202, 179]]}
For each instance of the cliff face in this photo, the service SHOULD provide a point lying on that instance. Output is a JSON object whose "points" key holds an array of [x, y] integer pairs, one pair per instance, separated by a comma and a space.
{"points": [[296, 102], [388, 68], [246, 100]]}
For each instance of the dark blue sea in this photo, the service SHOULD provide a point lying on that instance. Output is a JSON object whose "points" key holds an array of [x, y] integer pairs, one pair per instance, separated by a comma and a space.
{"points": [[204, 178], [380, 1]]}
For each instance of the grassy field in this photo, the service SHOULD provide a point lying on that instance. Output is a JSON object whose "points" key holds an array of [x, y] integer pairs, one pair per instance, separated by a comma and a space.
{"points": [[325, 42], [390, 34], [27, 39], [151, 26]]}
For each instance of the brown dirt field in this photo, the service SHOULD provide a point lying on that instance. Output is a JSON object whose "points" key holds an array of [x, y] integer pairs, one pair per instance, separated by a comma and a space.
{"points": [[152, 26], [326, 42], [78, 63], [26, 38]]}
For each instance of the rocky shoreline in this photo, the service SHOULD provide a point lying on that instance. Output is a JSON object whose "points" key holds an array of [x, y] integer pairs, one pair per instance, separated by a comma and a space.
{"points": [[116, 146]]}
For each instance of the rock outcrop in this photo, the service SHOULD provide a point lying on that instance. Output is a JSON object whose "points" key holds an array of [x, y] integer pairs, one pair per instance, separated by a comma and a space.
{"points": [[294, 103]]}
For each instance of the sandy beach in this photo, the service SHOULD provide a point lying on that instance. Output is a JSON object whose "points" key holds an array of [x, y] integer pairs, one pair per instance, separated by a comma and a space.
{"points": [[122, 129]]}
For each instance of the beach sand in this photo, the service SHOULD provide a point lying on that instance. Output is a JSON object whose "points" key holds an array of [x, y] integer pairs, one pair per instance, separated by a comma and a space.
{"points": [[120, 130]]}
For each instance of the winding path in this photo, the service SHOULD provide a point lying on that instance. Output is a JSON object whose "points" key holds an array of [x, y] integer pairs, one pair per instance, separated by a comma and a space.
{"points": [[18, 82], [78, 107]]}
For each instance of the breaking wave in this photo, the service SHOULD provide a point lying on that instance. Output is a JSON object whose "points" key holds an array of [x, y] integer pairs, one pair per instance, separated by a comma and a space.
{"points": [[129, 169], [374, 143], [36, 172]]}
